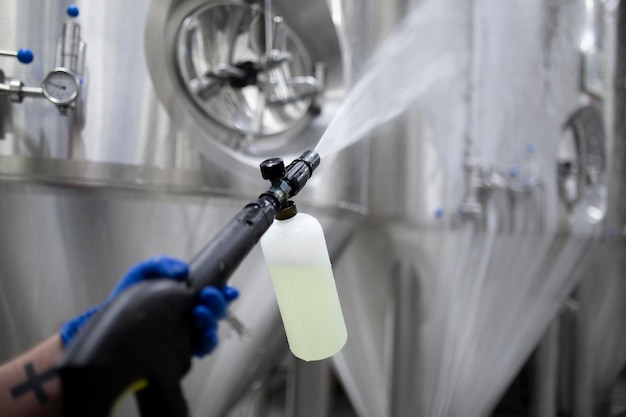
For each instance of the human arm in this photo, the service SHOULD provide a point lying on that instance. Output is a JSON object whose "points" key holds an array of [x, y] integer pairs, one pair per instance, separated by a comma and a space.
{"points": [[44, 401], [29, 386]]}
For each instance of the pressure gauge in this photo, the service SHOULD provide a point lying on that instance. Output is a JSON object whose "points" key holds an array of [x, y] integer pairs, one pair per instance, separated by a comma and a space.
{"points": [[61, 86]]}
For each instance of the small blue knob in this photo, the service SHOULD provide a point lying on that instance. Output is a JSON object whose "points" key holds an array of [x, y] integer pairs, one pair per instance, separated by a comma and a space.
{"points": [[25, 56], [72, 10], [513, 171], [530, 148], [438, 213]]}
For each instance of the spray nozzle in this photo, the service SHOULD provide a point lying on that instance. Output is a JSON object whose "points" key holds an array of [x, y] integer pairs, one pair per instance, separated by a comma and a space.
{"points": [[287, 182]]}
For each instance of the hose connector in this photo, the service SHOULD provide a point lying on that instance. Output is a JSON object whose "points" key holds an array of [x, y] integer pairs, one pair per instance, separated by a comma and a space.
{"points": [[287, 182]]}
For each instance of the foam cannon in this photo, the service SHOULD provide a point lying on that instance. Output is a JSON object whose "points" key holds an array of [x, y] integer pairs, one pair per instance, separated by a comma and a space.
{"points": [[142, 341]]}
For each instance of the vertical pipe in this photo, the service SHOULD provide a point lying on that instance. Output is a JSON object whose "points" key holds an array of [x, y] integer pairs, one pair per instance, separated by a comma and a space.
{"points": [[404, 353], [566, 363], [544, 374], [575, 386], [69, 48], [616, 213], [583, 362], [268, 28], [308, 389]]}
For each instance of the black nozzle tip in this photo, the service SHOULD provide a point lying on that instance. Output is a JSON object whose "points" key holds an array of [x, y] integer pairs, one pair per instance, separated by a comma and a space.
{"points": [[273, 168], [312, 159]]}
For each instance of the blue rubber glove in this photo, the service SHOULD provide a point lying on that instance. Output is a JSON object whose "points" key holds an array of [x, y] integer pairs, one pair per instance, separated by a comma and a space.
{"points": [[212, 302]]}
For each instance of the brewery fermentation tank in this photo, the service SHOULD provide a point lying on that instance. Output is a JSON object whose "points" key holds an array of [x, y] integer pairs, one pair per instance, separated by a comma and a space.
{"points": [[177, 103], [460, 231], [496, 213]]}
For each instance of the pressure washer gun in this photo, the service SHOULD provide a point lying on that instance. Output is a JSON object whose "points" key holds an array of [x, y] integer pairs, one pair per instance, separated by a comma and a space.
{"points": [[142, 341]]}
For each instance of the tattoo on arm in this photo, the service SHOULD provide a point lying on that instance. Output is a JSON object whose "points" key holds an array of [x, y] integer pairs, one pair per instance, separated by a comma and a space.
{"points": [[34, 383]]}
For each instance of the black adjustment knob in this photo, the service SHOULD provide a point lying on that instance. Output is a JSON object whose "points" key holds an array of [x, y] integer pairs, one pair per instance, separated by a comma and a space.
{"points": [[273, 169]]}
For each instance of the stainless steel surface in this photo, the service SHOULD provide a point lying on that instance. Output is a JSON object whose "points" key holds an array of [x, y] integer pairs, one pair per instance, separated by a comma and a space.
{"points": [[600, 293], [309, 389], [101, 130], [404, 291], [544, 382], [583, 381], [140, 169], [447, 323], [601, 351], [509, 99]]}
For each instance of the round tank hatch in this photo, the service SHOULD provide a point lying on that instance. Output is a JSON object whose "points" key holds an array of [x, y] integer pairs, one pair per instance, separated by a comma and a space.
{"points": [[256, 83], [242, 84], [581, 167]]}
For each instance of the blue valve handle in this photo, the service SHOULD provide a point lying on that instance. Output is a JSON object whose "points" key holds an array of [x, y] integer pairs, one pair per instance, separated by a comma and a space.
{"points": [[72, 10], [25, 56]]}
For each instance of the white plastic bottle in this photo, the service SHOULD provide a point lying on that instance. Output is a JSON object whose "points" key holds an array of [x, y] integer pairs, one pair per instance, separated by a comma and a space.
{"points": [[296, 253]]}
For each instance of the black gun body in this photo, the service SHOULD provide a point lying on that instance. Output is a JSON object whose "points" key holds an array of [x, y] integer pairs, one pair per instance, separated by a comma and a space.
{"points": [[144, 339], [216, 262]]}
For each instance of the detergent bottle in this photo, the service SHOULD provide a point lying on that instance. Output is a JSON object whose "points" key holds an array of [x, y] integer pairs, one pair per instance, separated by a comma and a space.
{"points": [[295, 250]]}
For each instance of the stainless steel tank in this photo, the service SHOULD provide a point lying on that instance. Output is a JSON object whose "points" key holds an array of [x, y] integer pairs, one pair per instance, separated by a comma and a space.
{"points": [[489, 200], [494, 202], [157, 152]]}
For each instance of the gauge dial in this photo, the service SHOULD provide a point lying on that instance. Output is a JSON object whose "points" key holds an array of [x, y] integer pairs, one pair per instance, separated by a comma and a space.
{"points": [[61, 86]]}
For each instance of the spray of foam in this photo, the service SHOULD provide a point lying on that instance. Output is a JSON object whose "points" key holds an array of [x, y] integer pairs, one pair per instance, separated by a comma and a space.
{"points": [[427, 48]]}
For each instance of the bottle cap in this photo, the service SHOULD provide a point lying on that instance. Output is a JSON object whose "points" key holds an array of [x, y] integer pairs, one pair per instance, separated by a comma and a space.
{"points": [[287, 212]]}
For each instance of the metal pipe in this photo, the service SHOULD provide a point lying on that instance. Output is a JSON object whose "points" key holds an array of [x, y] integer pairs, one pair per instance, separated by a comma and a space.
{"points": [[404, 310], [308, 389], [583, 357], [268, 28], [545, 374], [70, 49], [4, 52], [36, 92]]}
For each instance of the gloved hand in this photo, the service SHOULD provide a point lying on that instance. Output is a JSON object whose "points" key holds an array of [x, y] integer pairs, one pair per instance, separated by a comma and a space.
{"points": [[212, 302]]}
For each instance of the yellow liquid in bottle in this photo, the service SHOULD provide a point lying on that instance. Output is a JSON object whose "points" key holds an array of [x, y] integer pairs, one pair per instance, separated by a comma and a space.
{"points": [[310, 309]]}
